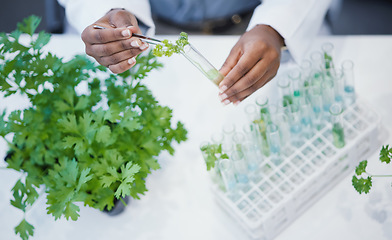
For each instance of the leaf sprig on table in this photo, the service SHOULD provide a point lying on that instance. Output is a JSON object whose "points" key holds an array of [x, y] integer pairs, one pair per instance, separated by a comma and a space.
{"points": [[363, 180], [92, 147], [168, 48]]}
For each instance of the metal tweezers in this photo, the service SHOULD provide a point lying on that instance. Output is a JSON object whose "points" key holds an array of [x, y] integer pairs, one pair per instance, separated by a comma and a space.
{"points": [[142, 37]]}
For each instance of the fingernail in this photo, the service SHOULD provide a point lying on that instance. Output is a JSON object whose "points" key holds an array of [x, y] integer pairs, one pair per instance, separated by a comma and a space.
{"points": [[131, 61], [226, 102], [223, 96], [143, 46], [126, 33], [236, 103], [223, 88], [135, 44]]}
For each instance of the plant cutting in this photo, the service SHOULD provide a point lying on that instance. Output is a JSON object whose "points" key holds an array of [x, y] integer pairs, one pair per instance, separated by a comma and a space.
{"points": [[88, 137], [362, 179], [182, 45]]}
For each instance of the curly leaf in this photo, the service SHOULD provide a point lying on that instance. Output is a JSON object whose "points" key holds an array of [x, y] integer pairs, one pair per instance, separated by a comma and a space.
{"points": [[24, 229], [362, 185], [361, 168]]}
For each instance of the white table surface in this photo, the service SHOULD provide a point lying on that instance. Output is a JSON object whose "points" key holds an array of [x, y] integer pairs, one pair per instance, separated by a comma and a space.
{"points": [[179, 203]]}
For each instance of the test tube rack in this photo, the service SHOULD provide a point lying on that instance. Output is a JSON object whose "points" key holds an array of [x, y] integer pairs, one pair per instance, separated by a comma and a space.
{"points": [[277, 195]]}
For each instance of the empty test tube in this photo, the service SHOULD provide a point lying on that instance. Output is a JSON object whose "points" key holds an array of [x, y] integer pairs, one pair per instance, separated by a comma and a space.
{"points": [[348, 76], [228, 174], [240, 166], [274, 143]]}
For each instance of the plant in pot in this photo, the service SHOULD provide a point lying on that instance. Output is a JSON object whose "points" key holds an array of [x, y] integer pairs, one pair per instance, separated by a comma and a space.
{"points": [[88, 136]]}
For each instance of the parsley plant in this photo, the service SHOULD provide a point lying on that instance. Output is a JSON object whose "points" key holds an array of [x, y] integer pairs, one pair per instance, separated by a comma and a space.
{"points": [[88, 147], [362, 180]]}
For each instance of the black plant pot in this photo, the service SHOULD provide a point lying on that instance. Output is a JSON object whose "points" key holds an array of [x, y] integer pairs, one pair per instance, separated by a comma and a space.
{"points": [[118, 208]]}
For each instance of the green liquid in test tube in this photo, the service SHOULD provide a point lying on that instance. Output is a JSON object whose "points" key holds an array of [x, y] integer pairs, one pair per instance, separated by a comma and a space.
{"points": [[336, 111], [201, 63]]}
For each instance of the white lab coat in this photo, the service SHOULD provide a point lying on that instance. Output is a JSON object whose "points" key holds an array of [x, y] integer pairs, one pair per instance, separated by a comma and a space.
{"points": [[297, 21]]}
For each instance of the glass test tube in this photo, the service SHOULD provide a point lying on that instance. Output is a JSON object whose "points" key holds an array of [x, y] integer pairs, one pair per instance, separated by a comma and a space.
{"points": [[228, 132], [228, 175], [306, 118], [317, 59], [252, 154], [336, 111], [328, 93], [306, 71], [240, 166], [348, 75], [274, 143], [338, 85], [317, 107], [328, 49], [238, 139], [258, 128], [295, 77], [294, 117], [201, 63], [263, 105], [215, 174], [285, 91]]}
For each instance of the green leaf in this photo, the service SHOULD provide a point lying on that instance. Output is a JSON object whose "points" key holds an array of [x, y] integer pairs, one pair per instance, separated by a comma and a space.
{"points": [[71, 211], [83, 103], [385, 154], [113, 113], [362, 185], [84, 178], [127, 173], [361, 168], [24, 229], [29, 25], [42, 39], [19, 192], [103, 134], [153, 163], [68, 124]]}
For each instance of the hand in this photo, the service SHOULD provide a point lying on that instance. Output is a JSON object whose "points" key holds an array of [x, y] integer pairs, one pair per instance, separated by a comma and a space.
{"points": [[252, 62], [114, 47]]}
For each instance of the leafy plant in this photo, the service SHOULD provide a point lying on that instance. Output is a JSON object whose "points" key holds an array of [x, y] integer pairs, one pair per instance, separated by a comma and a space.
{"points": [[364, 183], [92, 147], [212, 153], [167, 48]]}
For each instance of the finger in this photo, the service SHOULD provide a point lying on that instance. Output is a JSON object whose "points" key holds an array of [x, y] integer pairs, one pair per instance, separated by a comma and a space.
{"points": [[98, 36], [263, 72], [239, 97], [119, 57], [231, 61], [123, 66], [247, 80], [246, 62], [108, 49]]}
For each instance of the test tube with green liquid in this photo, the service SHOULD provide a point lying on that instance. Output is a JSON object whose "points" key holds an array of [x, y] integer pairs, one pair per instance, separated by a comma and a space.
{"points": [[336, 111], [201, 63]]}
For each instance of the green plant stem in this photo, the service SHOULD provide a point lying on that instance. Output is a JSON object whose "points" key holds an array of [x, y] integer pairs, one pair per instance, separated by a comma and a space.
{"points": [[371, 175], [122, 200]]}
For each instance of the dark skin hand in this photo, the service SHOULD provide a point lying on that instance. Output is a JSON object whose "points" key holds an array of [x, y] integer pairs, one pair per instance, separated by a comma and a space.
{"points": [[114, 47], [253, 61]]}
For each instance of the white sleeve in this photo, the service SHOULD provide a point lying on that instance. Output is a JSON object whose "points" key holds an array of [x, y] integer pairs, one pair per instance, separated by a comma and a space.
{"points": [[297, 21], [81, 13]]}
